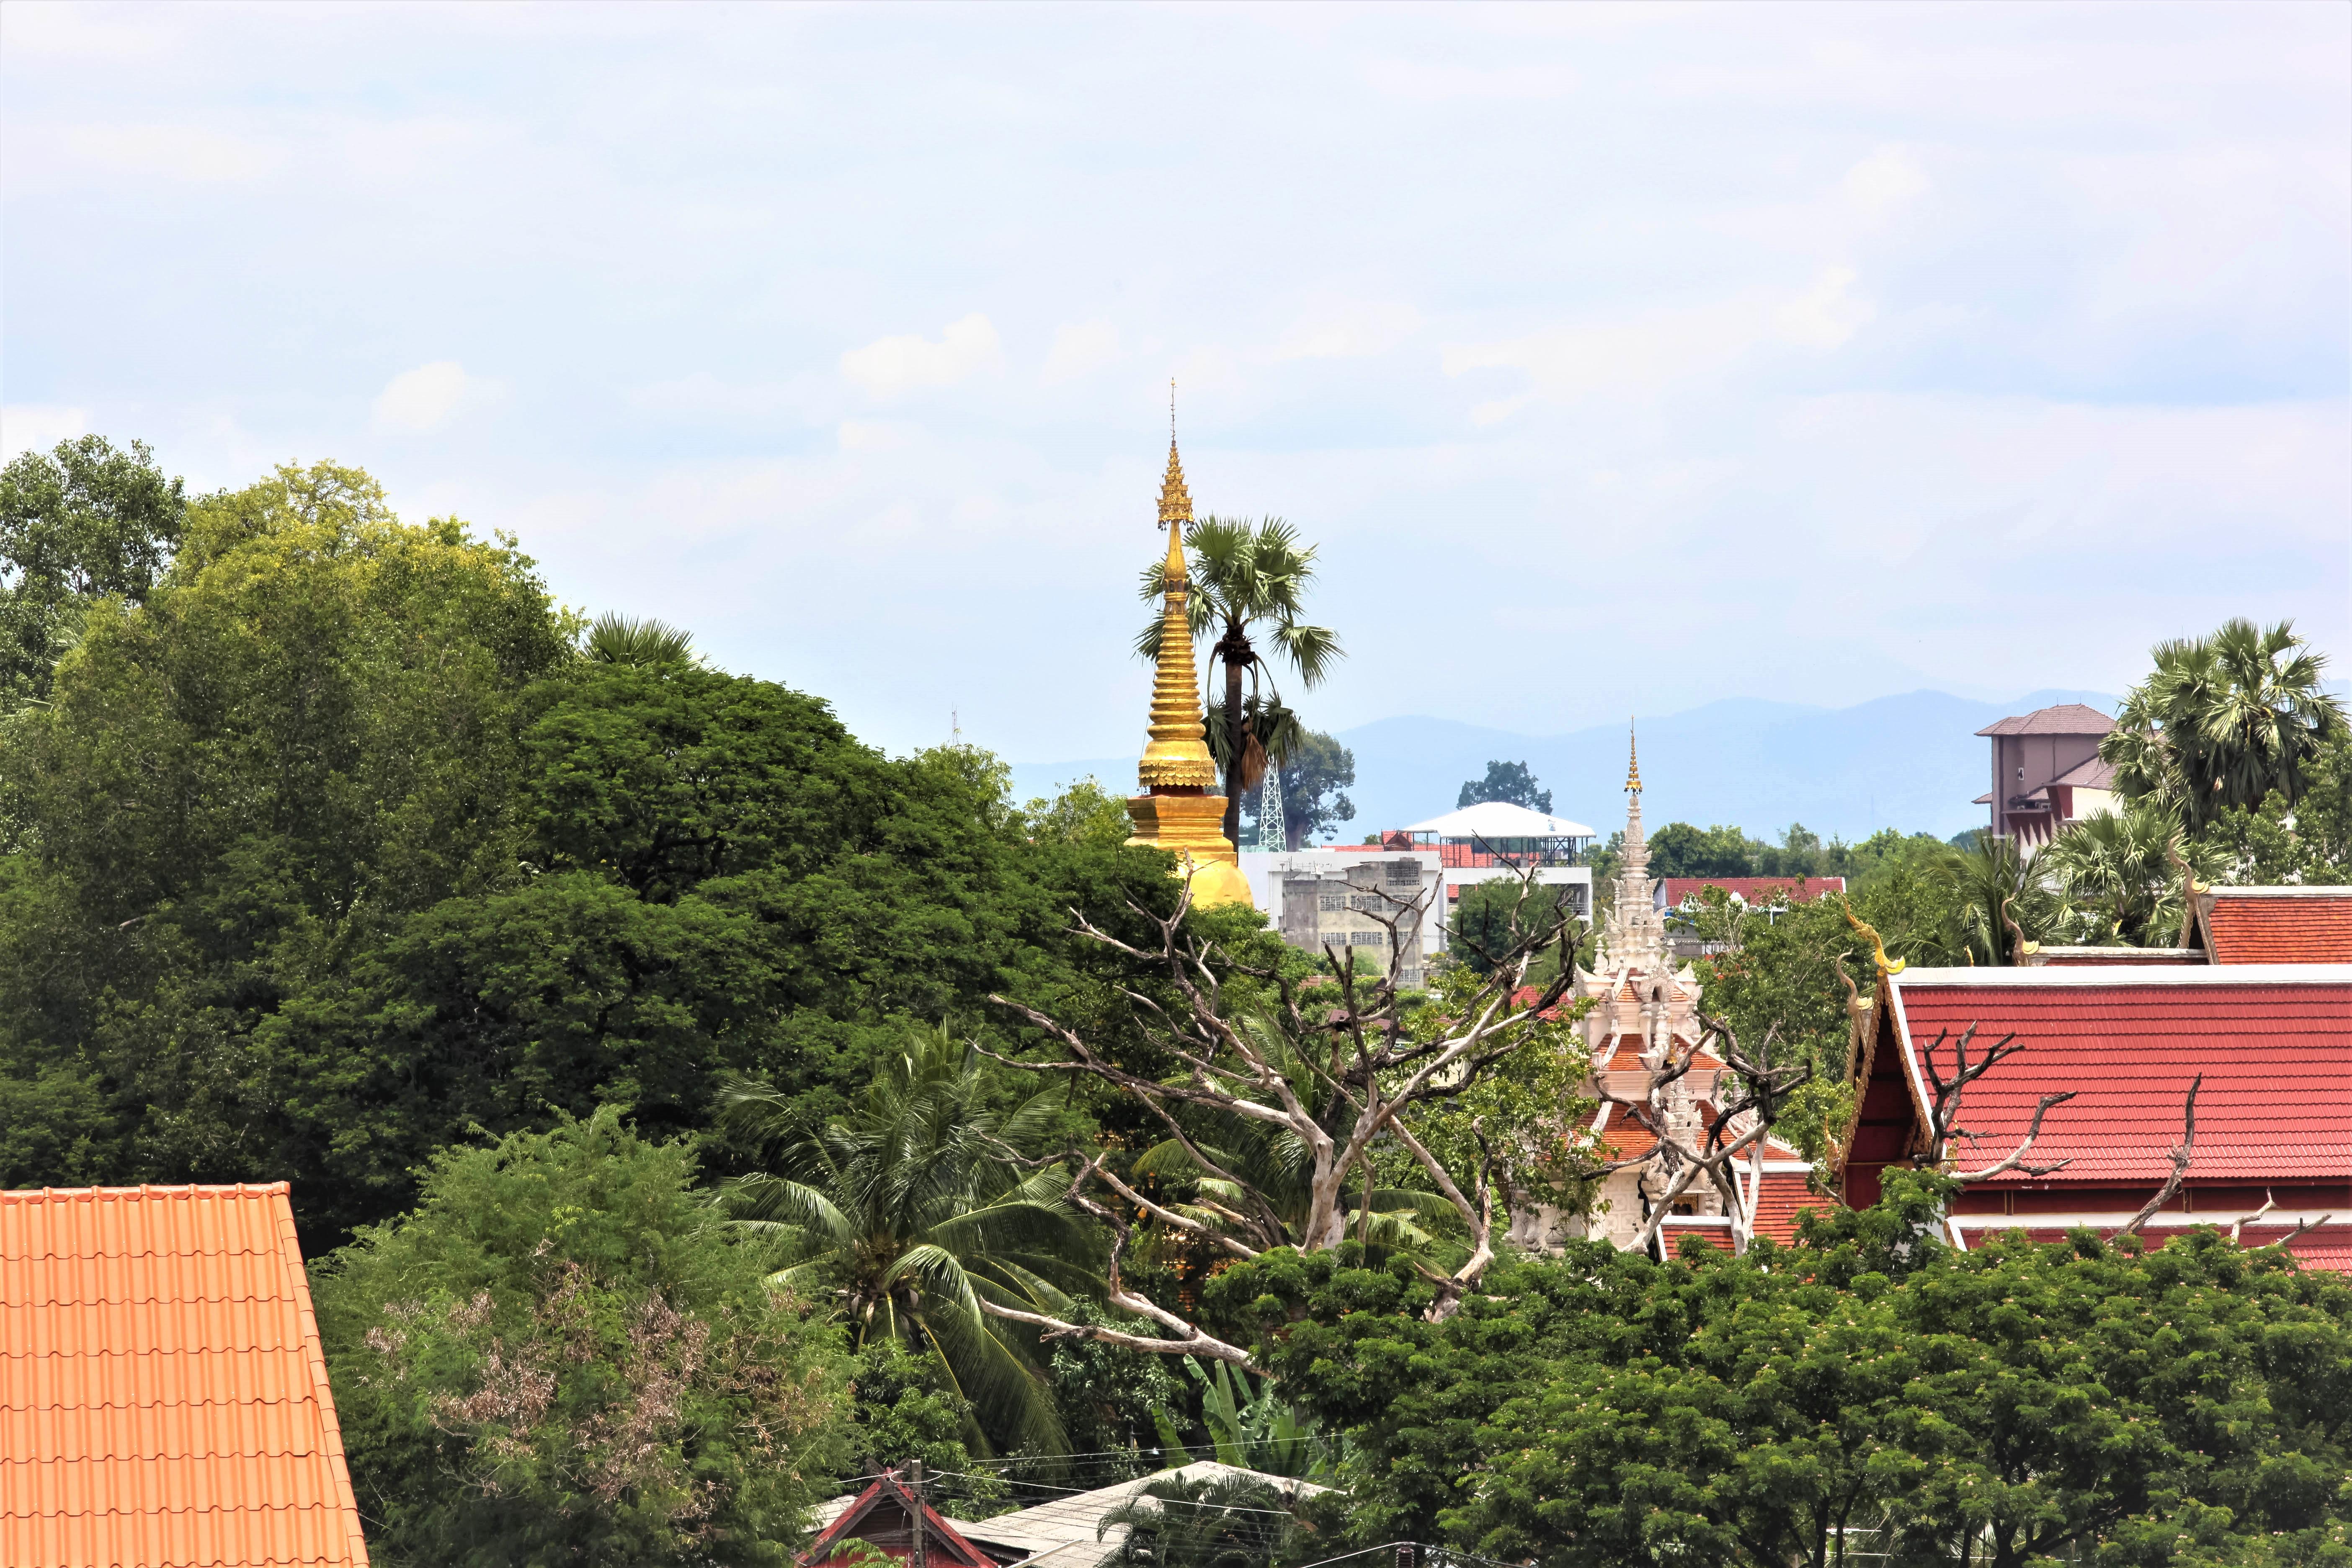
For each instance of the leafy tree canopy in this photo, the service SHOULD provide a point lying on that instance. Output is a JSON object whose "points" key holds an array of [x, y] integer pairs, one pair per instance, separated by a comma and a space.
{"points": [[1508, 782], [562, 1356], [1866, 1389], [78, 524]]}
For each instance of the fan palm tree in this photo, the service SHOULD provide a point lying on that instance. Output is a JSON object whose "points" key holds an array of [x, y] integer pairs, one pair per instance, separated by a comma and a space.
{"points": [[616, 638], [2223, 721], [911, 1209], [1249, 582], [2122, 872], [1210, 1521], [2001, 902]]}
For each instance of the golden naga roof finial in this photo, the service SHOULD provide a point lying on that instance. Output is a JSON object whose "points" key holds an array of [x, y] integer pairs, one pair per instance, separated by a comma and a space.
{"points": [[1633, 761], [1175, 500], [1885, 965]]}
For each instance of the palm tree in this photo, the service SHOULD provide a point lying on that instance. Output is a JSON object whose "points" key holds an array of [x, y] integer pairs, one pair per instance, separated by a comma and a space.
{"points": [[1263, 1432], [1248, 579], [616, 638], [2123, 872], [2223, 721], [2001, 902], [916, 1205], [1212, 1521]]}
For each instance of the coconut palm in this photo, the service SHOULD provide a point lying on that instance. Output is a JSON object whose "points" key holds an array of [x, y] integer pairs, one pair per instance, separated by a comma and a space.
{"points": [[616, 638], [2223, 721], [2122, 873], [912, 1208], [1207, 1521], [1249, 581]]}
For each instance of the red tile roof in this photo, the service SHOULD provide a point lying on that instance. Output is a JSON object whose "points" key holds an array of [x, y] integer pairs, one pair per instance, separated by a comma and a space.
{"points": [[2328, 1250], [883, 1518], [1759, 892], [2066, 718], [1778, 1203], [2280, 925], [2276, 1104], [162, 1394]]}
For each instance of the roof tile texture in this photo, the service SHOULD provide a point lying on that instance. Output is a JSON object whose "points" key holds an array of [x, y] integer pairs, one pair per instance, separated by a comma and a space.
{"points": [[164, 1398], [2276, 1103], [2066, 718], [2274, 929]]}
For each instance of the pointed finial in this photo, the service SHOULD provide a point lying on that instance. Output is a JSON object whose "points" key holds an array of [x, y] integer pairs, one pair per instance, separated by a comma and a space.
{"points": [[1175, 500], [1632, 761]]}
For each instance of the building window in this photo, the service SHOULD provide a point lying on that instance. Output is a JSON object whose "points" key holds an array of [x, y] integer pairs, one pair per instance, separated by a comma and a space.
{"points": [[1368, 938]]}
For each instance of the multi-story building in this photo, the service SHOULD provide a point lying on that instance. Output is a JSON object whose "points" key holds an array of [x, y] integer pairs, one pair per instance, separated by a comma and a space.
{"points": [[2046, 772], [1358, 899]]}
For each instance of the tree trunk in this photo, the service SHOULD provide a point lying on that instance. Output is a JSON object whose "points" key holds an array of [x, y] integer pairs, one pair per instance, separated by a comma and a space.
{"points": [[1236, 654]]}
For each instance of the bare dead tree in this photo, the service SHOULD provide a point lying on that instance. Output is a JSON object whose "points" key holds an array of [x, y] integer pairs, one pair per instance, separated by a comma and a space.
{"points": [[1943, 1118], [1332, 1066], [2182, 1153]]}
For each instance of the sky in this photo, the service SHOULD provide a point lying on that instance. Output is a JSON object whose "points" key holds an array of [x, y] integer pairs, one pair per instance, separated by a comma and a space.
{"points": [[1617, 359]]}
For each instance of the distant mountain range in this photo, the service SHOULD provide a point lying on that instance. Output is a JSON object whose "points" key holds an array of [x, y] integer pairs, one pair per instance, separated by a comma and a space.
{"points": [[1912, 761]]}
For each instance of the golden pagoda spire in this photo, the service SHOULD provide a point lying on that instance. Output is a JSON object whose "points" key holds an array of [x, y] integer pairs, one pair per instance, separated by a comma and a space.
{"points": [[1179, 751], [1633, 761], [1175, 500], [1176, 812]]}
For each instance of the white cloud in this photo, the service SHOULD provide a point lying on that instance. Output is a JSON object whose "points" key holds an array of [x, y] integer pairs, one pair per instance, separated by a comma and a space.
{"points": [[75, 32], [1656, 348], [1428, 81], [1827, 314], [1884, 181], [37, 426], [422, 398], [187, 153], [877, 435], [1349, 332], [889, 366], [1080, 348]]}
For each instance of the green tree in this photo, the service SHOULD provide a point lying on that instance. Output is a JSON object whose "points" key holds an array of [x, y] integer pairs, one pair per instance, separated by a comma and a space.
{"points": [[1678, 849], [2222, 720], [1864, 1392], [2002, 902], [1249, 587], [78, 524], [1206, 1521], [913, 1208], [562, 1356], [1316, 774], [2306, 840], [614, 639], [1508, 782], [2122, 873], [307, 732]]}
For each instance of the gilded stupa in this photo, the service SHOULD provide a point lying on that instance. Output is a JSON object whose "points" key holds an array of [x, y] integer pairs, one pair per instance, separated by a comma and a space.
{"points": [[1176, 812]]}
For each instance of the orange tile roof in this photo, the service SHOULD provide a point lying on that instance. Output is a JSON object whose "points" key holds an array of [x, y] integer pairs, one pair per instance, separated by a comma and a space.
{"points": [[164, 1397], [2280, 925]]}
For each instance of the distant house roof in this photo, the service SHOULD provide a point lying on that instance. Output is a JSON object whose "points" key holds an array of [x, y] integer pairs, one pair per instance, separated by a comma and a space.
{"points": [[164, 1398], [2066, 718], [1061, 1532], [883, 1517], [1493, 819], [2277, 925], [1760, 891]]}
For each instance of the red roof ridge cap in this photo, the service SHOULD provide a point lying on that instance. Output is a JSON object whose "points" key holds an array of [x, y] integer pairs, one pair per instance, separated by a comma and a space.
{"points": [[191, 1190]]}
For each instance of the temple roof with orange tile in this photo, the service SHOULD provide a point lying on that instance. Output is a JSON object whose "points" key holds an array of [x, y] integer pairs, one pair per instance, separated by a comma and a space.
{"points": [[2278, 925], [163, 1396]]}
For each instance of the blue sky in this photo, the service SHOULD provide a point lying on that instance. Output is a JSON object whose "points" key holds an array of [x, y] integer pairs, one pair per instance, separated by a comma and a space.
{"points": [[1619, 360]]}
